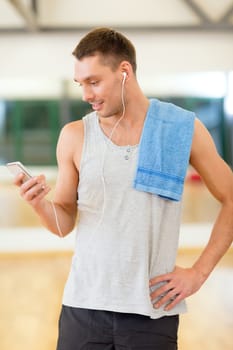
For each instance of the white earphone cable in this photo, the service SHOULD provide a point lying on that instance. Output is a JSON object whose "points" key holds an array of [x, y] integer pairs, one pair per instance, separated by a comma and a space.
{"points": [[106, 146], [56, 219]]}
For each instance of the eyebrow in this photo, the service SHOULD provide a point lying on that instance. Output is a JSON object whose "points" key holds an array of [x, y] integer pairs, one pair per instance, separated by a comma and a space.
{"points": [[87, 79]]}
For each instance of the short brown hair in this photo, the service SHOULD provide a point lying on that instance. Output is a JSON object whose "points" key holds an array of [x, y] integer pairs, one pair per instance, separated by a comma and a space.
{"points": [[112, 45]]}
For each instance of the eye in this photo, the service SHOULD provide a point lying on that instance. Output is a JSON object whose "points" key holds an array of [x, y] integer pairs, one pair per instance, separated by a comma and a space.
{"points": [[94, 82], [76, 82]]}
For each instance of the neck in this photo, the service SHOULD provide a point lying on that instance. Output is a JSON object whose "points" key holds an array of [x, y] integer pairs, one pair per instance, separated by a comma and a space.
{"points": [[135, 112], [126, 129]]}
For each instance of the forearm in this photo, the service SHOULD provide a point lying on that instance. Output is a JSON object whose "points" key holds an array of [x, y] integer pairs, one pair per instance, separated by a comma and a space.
{"points": [[219, 242], [56, 218]]}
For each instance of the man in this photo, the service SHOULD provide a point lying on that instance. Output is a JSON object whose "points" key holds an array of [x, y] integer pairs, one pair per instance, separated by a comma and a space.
{"points": [[124, 290]]}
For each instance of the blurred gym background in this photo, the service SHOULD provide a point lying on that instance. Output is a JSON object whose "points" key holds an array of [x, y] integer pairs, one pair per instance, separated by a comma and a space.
{"points": [[185, 55]]}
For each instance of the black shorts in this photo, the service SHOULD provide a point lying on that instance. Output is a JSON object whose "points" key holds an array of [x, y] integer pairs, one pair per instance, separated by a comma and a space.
{"points": [[84, 329]]}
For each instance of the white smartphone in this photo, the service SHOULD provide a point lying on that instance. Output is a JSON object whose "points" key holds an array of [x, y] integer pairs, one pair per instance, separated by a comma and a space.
{"points": [[16, 168]]}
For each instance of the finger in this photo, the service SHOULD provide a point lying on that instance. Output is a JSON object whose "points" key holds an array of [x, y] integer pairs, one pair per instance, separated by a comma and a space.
{"points": [[174, 301], [39, 196], [169, 300], [34, 201], [18, 180], [32, 190], [161, 291], [43, 190], [165, 298], [158, 279], [28, 184], [41, 178]]}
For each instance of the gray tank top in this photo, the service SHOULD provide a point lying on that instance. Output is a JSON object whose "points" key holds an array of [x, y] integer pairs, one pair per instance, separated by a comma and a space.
{"points": [[124, 236]]}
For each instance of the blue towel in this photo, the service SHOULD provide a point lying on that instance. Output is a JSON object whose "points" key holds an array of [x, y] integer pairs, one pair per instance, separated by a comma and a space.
{"points": [[164, 150]]}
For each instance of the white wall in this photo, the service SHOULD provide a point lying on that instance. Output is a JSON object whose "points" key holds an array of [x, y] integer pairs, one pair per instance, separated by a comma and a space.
{"points": [[48, 56]]}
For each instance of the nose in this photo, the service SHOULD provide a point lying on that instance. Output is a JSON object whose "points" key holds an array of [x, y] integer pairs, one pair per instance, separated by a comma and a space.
{"points": [[87, 95]]}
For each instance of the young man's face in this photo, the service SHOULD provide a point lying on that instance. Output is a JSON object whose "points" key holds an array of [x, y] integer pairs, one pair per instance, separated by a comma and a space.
{"points": [[101, 87]]}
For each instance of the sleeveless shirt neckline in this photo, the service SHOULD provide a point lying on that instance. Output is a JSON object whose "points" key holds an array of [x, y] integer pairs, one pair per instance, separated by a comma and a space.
{"points": [[110, 142]]}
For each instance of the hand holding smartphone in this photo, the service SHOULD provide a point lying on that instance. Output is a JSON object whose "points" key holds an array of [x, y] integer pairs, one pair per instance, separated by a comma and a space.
{"points": [[17, 168]]}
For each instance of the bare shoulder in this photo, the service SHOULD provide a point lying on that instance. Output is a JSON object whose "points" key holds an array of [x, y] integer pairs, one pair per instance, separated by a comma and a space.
{"points": [[209, 164], [70, 141], [72, 133], [203, 145], [72, 130]]}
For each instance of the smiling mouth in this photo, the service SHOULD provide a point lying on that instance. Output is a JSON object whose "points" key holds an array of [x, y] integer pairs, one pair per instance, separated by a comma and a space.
{"points": [[96, 106]]}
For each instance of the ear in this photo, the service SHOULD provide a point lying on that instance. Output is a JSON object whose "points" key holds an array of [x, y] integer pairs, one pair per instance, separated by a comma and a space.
{"points": [[125, 68]]}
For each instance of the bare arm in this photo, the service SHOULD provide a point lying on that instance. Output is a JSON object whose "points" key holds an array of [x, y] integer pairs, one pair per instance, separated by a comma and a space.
{"points": [[69, 149], [218, 177]]}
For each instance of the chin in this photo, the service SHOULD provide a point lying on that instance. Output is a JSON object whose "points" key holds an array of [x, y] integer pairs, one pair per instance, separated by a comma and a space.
{"points": [[104, 115]]}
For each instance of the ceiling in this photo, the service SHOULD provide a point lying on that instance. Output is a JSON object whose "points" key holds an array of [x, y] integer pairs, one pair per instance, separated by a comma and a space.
{"points": [[29, 16]]}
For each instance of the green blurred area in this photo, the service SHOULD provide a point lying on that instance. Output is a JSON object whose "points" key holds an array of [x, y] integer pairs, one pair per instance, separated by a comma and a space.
{"points": [[29, 129]]}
